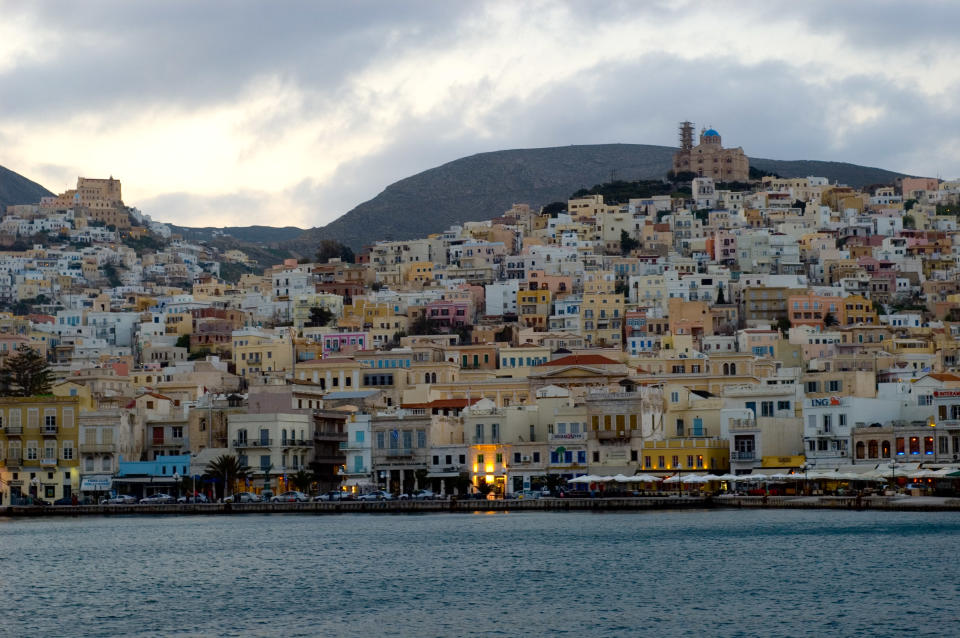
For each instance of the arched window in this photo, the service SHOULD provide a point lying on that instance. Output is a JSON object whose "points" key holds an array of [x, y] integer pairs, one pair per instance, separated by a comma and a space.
{"points": [[873, 449], [885, 449], [860, 448], [426, 377], [283, 436], [726, 369], [733, 368]]}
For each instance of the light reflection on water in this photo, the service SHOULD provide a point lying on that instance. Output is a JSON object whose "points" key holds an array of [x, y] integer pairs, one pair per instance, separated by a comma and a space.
{"points": [[714, 573]]}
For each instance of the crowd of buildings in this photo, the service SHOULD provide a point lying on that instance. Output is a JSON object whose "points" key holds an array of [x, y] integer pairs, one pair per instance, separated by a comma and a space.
{"points": [[785, 325]]}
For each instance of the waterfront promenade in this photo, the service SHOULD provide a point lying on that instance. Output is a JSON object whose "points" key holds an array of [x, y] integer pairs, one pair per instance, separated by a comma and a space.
{"points": [[891, 503]]}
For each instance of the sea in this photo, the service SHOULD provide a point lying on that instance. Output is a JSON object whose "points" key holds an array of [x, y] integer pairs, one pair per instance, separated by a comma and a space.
{"points": [[710, 573]]}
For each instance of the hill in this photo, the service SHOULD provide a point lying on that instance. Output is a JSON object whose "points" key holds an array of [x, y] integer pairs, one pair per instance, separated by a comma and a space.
{"points": [[17, 189], [252, 234], [483, 186]]}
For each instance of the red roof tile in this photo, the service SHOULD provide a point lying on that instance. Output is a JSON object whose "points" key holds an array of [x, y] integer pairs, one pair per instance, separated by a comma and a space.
{"points": [[582, 360]]}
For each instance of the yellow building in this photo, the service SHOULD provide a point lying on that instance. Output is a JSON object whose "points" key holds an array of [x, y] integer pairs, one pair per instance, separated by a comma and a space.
{"points": [[686, 455], [533, 308], [256, 354], [418, 272], [39, 447], [856, 309], [601, 318]]}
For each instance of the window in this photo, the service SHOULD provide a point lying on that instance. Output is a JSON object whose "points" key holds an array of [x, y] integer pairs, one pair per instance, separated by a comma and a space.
{"points": [[766, 408], [841, 419], [783, 405], [834, 386], [421, 438], [596, 457], [827, 422], [536, 457], [516, 457], [480, 459], [380, 440]]}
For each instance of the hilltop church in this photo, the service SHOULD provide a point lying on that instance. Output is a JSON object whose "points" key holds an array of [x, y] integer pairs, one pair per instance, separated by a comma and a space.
{"points": [[709, 158]]}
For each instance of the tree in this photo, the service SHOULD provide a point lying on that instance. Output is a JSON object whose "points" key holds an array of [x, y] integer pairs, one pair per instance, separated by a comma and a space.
{"points": [[421, 476], [302, 480], [226, 468], [783, 325], [319, 316], [554, 208], [424, 325], [829, 320], [331, 249], [627, 243], [183, 341], [25, 374], [909, 222], [909, 204], [720, 298], [110, 272]]}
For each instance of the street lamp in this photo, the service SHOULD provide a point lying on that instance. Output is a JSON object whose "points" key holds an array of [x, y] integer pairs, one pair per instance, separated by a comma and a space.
{"points": [[176, 481]]}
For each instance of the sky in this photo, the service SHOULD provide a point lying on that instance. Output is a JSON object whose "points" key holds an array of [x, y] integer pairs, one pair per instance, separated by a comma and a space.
{"points": [[232, 113]]}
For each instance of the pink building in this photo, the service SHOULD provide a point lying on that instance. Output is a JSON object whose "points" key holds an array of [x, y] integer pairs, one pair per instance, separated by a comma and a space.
{"points": [[450, 313]]}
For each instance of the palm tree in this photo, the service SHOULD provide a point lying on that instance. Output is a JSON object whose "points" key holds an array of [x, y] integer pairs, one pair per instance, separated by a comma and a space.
{"points": [[226, 468], [302, 480]]}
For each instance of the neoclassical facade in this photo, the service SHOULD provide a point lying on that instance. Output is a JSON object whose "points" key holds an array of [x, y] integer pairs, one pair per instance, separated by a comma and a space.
{"points": [[710, 158]]}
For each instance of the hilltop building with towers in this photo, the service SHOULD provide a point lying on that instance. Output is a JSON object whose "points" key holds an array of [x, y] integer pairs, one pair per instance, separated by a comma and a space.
{"points": [[709, 158]]}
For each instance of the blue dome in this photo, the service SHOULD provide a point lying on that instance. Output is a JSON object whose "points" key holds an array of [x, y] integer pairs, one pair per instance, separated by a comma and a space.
{"points": [[710, 132]]}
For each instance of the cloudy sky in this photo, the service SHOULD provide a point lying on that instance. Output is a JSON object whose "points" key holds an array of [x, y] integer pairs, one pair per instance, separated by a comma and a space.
{"points": [[291, 113]]}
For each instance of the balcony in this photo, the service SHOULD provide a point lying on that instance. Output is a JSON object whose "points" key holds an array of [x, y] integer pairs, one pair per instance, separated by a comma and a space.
{"points": [[240, 444], [355, 445], [486, 440], [48, 462], [330, 460], [329, 436], [743, 456], [50, 430], [14, 429], [357, 471], [14, 460], [93, 448], [743, 424], [399, 452], [296, 442]]}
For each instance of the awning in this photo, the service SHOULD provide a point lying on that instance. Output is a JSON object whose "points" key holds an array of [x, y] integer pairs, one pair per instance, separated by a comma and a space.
{"points": [[96, 484]]}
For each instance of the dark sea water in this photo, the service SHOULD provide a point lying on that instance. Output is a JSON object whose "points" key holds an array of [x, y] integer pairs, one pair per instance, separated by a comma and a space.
{"points": [[703, 574]]}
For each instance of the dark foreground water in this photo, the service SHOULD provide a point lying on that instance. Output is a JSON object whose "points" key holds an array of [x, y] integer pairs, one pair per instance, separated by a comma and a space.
{"points": [[705, 573]]}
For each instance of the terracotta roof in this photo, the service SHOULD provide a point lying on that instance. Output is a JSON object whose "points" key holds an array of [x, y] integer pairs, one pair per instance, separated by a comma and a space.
{"points": [[582, 360], [944, 376]]}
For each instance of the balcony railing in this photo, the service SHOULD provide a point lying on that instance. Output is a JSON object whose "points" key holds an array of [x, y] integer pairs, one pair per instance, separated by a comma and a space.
{"points": [[87, 448], [743, 424], [245, 443], [13, 429], [330, 436], [14, 460], [336, 460], [403, 451], [296, 443], [50, 430], [52, 461], [743, 456], [486, 440]]}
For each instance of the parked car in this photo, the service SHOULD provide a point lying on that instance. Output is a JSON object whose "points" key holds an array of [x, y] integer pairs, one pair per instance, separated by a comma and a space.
{"points": [[425, 495], [157, 499], [199, 497], [334, 496], [242, 497], [379, 495], [68, 500], [120, 499], [290, 497]]}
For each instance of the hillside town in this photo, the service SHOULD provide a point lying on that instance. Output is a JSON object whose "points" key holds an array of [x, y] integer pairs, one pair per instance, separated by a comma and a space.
{"points": [[736, 325]]}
